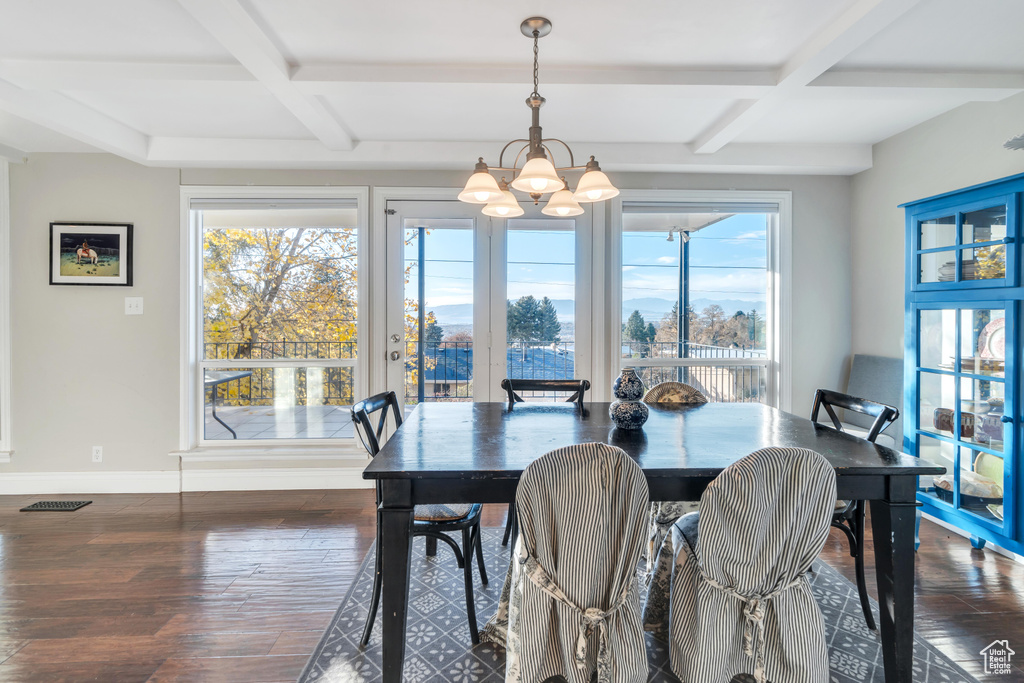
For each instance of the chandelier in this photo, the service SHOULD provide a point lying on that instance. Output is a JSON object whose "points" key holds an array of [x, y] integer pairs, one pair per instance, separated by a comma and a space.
{"points": [[538, 175]]}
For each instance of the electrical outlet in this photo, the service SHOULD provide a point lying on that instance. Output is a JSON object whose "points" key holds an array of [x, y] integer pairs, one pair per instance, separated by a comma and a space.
{"points": [[97, 453]]}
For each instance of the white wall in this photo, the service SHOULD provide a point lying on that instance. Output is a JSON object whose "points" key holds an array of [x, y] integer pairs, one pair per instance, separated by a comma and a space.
{"points": [[960, 148], [85, 374]]}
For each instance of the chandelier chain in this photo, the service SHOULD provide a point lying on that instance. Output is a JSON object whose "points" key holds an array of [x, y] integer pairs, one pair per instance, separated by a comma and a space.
{"points": [[536, 68]]}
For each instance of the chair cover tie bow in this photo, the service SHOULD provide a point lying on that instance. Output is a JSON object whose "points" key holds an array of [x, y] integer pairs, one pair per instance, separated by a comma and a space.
{"points": [[753, 620], [591, 619]]}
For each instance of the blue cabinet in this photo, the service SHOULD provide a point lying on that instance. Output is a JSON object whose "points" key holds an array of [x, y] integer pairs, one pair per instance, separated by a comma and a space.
{"points": [[963, 406]]}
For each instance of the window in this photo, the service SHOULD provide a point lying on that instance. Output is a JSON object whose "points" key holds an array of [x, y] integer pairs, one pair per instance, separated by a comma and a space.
{"points": [[697, 302], [277, 323]]}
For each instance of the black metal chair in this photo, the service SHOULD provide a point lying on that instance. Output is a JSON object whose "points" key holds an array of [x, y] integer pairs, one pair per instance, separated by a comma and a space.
{"points": [[430, 521], [849, 514], [577, 388]]}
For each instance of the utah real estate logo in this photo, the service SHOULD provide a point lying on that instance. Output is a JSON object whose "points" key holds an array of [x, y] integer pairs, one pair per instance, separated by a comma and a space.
{"points": [[997, 657]]}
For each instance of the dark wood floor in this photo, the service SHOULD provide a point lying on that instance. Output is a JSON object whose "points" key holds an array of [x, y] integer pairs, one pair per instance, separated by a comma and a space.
{"points": [[240, 586]]}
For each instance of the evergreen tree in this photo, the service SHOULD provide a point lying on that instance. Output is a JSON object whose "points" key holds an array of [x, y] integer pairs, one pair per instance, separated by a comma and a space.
{"points": [[636, 328], [433, 332], [548, 326], [523, 319]]}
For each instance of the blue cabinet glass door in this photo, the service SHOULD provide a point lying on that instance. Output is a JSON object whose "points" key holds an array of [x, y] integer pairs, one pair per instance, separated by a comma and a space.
{"points": [[964, 392]]}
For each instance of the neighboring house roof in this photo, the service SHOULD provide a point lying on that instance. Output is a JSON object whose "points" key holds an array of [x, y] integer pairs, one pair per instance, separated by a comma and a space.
{"points": [[454, 363]]}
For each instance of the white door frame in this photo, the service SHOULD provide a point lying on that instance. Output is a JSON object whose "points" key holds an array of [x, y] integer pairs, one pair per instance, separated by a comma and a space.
{"points": [[483, 336]]}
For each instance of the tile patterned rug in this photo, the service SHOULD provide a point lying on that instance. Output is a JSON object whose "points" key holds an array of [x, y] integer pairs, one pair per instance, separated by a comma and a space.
{"points": [[439, 648]]}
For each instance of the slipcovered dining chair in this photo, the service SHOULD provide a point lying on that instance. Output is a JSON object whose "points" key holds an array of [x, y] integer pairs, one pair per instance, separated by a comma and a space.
{"points": [[570, 606], [730, 584], [665, 513], [576, 388], [433, 522], [849, 514]]}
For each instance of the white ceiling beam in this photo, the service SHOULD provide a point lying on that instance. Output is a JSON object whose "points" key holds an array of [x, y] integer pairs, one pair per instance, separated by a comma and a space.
{"points": [[8, 153], [331, 79], [410, 155], [324, 78], [861, 22], [74, 119], [78, 75], [969, 87], [237, 31]]}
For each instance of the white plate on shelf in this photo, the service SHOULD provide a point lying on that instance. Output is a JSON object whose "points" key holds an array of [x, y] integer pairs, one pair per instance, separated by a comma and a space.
{"points": [[992, 340]]}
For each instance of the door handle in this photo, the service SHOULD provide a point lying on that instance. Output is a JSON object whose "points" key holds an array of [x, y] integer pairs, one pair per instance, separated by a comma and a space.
{"points": [[1006, 419], [394, 355]]}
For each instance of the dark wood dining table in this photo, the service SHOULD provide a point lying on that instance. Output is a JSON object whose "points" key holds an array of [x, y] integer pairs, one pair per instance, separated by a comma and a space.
{"points": [[462, 452]]}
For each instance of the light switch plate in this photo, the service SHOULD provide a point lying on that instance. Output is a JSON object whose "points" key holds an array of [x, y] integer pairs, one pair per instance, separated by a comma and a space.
{"points": [[133, 305]]}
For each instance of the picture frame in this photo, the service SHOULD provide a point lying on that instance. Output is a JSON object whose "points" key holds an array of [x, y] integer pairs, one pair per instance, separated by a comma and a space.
{"points": [[91, 254]]}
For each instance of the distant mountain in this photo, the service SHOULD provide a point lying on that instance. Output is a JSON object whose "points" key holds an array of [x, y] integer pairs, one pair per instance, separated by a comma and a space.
{"points": [[462, 314], [651, 308]]}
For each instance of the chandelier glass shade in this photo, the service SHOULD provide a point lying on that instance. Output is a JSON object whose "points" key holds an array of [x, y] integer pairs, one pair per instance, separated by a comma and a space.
{"points": [[562, 204], [507, 206], [538, 175]]}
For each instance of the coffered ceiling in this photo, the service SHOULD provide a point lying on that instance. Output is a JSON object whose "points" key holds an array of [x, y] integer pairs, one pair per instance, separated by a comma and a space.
{"points": [[780, 86]]}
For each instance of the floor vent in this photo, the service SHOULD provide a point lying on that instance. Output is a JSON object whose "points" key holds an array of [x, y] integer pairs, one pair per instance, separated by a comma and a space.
{"points": [[56, 506]]}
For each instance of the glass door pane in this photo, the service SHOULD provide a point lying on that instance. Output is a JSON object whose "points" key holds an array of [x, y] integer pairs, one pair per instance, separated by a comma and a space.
{"points": [[961, 397], [434, 299], [540, 317]]}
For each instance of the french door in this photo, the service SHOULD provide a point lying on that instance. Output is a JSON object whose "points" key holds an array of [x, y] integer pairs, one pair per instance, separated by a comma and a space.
{"points": [[473, 299]]}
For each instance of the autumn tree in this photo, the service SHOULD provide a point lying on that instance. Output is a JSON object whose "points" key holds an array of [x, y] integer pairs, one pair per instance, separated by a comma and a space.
{"points": [[281, 292], [265, 285]]}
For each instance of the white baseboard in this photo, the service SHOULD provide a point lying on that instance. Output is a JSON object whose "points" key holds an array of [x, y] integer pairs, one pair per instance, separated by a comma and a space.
{"points": [[268, 479], [274, 479], [31, 483]]}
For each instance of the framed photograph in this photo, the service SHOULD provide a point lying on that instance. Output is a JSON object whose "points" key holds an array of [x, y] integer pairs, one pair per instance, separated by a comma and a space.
{"points": [[91, 254]]}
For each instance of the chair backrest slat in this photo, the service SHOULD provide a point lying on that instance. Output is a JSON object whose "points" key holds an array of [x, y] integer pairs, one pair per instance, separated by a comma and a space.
{"points": [[883, 414], [386, 402], [577, 388]]}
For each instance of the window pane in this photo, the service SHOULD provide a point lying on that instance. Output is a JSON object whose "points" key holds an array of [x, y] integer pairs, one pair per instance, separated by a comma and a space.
{"points": [[721, 271], [541, 289], [938, 266], [984, 263], [937, 341], [981, 403], [279, 284], [438, 315], [936, 400], [277, 403], [938, 232], [695, 286], [982, 341], [986, 225]]}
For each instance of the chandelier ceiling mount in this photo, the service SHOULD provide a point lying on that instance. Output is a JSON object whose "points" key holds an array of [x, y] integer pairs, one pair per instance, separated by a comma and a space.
{"points": [[538, 175]]}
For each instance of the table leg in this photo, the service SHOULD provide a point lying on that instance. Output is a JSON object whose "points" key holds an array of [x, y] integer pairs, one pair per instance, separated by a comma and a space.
{"points": [[213, 409], [892, 524], [396, 514]]}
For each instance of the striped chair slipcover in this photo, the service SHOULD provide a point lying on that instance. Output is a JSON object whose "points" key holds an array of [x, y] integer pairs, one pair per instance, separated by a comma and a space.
{"points": [[730, 581], [571, 604]]}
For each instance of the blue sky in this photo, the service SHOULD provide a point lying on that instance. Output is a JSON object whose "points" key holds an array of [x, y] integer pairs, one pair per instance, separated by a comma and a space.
{"points": [[727, 261]]}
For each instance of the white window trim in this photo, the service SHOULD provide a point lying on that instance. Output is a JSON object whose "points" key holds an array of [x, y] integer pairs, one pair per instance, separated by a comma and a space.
{"points": [[6, 442], [780, 287], [190, 403]]}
